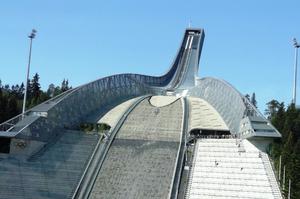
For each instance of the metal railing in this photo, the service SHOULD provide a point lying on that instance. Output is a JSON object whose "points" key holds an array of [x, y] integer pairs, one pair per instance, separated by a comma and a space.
{"points": [[191, 171], [9, 124], [181, 150], [271, 175]]}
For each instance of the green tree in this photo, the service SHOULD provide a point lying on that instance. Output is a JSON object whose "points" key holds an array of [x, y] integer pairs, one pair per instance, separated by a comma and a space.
{"points": [[286, 154], [248, 97], [36, 87], [64, 85], [34, 91], [296, 127], [21, 91], [11, 98], [272, 108], [295, 172], [2, 106], [278, 119], [289, 123], [253, 100], [12, 107]]}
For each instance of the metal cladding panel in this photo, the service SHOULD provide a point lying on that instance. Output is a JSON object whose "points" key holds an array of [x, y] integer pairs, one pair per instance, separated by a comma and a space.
{"points": [[224, 98], [231, 105], [90, 99], [261, 126]]}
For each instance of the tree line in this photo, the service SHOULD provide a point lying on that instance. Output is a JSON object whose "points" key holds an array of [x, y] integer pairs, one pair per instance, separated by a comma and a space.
{"points": [[285, 152], [11, 97], [286, 119]]}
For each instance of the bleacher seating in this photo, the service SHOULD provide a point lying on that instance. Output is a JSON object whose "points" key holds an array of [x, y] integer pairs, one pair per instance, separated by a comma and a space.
{"points": [[230, 168]]}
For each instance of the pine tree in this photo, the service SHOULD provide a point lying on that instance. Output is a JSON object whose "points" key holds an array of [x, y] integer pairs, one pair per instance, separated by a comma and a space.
{"points": [[12, 107], [272, 109], [35, 90], [289, 124], [278, 119], [295, 173], [253, 100], [6, 87], [29, 91], [11, 98], [3, 105], [287, 158], [64, 85], [248, 97], [57, 91], [296, 127]]}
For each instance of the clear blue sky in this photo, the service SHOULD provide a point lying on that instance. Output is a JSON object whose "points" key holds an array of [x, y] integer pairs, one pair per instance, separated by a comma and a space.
{"points": [[248, 43]]}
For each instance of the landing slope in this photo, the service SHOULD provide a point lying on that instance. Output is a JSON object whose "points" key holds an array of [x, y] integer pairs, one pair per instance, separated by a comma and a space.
{"points": [[51, 173], [141, 161]]}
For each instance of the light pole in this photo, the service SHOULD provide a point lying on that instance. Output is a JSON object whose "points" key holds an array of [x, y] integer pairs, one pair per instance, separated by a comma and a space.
{"points": [[31, 37], [289, 194], [296, 45]]}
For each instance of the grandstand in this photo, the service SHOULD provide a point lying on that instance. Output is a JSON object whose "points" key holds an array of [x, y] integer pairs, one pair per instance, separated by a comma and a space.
{"points": [[171, 136], [231, 168]]}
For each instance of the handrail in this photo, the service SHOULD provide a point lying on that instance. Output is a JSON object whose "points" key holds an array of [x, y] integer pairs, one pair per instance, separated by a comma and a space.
{"points": [[26, 125], [266, 161], [191, 170], [9, 124], [180, 154], [13, 121]]}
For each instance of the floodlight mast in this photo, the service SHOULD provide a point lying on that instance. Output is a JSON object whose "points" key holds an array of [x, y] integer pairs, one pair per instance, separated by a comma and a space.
{"points": [[296, 46], [31, 37]]}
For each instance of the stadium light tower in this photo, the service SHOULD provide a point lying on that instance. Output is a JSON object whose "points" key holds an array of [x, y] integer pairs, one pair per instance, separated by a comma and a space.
{"points": [[31, 37], [296, 45]]}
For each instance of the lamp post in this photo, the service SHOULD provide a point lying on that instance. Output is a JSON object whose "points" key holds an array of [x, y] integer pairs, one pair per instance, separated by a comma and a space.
{"points": [[296, 45], [31, 37], [289, 193]]}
